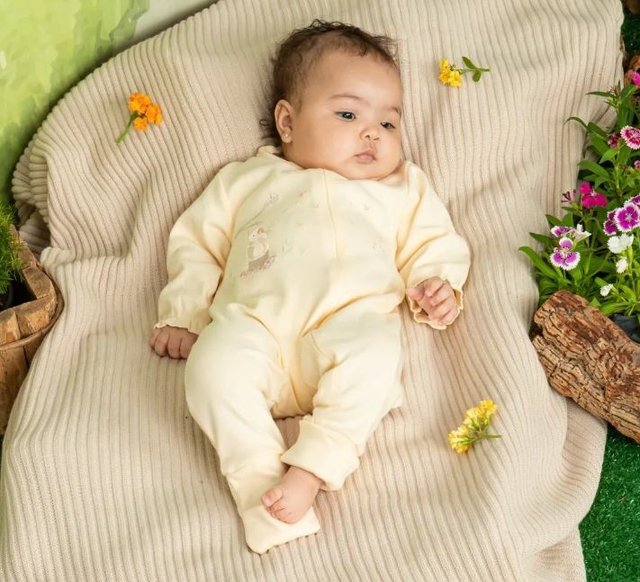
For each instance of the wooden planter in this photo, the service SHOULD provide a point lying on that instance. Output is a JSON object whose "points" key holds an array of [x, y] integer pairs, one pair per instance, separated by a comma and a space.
{"points": [[589, 359], [22, 329]]}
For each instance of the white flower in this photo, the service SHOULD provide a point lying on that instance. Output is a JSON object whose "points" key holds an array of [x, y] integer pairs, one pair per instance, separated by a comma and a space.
{"points": [[580, 234], [621, 265], [617, 244], [606, 289]]}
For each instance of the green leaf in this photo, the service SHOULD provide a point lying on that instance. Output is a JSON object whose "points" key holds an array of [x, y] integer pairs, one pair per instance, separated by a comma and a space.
{"points": [[553, 221], [539, 264], [600, 146], [595, 169], [593, 128], [611, 308], [578, 120], [541, 238], [599, 94], [468, 63], [476, 76], [608, 155]]}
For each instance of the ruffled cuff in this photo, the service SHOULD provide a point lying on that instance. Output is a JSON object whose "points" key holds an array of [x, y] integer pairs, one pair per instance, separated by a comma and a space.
{"points": [[421, 317]]}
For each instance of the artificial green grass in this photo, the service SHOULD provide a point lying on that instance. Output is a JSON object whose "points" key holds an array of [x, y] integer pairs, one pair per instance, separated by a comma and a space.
{"points": [[611, 530]]}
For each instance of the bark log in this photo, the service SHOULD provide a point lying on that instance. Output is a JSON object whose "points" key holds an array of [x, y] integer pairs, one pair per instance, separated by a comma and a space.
{"points": [[589, 359]]}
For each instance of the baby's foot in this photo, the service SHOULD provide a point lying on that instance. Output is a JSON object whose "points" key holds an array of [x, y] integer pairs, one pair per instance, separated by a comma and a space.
{"points": [[293, 496]]}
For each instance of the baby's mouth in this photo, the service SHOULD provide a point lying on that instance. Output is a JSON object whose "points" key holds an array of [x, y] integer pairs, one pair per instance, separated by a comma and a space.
{"points": [[366, 156]]}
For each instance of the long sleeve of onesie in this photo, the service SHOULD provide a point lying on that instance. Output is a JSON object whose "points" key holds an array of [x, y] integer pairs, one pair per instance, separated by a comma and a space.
{"points": [[198, 247], [428, 245]]}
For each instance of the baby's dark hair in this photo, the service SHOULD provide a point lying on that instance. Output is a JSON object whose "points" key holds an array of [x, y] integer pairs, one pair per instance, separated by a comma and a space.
{"points": [[297, 54]]}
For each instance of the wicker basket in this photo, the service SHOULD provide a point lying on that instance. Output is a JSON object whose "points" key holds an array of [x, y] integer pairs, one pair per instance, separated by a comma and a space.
{"points": [[22, 329]]}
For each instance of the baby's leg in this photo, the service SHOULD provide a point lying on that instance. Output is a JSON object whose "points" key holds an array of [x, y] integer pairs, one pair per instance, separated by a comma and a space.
{"points": [[232, 377], [361, 361]]}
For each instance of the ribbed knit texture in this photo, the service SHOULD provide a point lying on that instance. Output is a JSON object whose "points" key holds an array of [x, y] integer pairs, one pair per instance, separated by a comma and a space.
{"points": [[106, 477]]}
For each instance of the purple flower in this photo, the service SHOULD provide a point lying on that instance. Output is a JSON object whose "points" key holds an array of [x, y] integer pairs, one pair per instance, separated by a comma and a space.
{"points": [[559, 231], [563, 256], [635, 200], [609, 227], [631, 136], [627, 217], [635, 78]]}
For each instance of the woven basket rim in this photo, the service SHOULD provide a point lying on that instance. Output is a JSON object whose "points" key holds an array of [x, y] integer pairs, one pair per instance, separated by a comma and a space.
{"points": [[38, 334]]}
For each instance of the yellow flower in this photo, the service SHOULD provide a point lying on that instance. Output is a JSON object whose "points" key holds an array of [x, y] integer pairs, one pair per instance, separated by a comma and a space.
{"points": [[455, 79], [452, 75], [445, 71], [474, 428], [144, 112]]}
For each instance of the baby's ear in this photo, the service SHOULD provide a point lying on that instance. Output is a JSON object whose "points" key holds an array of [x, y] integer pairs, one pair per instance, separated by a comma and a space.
{"points": [[284, 119]]}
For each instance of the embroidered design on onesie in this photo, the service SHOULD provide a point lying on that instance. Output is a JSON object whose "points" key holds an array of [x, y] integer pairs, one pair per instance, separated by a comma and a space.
{"points": [[259, 256]]}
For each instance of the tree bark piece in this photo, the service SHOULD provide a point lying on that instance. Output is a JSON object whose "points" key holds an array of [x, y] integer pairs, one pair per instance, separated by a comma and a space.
{"points": [[589, 359]]}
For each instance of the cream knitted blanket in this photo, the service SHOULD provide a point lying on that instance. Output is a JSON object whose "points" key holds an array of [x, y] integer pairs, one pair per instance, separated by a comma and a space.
{"points": [[105, 476]]}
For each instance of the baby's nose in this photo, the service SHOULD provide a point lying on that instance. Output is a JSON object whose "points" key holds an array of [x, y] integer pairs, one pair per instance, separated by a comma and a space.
{"points": [[371, 132]]}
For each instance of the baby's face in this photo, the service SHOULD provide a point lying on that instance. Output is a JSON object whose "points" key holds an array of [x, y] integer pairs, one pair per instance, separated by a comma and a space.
{"points": [[347, 118]]}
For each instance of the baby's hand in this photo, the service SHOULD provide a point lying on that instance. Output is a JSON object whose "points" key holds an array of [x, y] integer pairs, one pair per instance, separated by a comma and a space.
{"points": [[175, 342], [437, 299]]}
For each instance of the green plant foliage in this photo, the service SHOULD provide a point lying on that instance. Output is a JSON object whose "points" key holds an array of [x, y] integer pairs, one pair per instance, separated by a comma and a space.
{"points": [[594, 249], [10, 246]]}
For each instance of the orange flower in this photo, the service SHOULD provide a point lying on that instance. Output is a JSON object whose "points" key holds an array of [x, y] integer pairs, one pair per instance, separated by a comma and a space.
{"points": [[144, 112], [140, 123], [154, 113], [139, 102]]}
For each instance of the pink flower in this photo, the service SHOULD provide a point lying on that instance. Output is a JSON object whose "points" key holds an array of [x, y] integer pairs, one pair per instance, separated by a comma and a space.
{"points": [[636, 164], [614, 138], [585, 188], [594, 199], [635, 78], [631, 136]]}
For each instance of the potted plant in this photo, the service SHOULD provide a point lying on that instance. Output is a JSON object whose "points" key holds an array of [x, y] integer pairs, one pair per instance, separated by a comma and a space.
{"points": [[29, 305], [10, 256], [593, 252]]}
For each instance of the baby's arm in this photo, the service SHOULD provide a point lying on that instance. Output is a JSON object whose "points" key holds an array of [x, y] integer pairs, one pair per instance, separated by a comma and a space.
{"points": [[175, 342], [437, 299]]}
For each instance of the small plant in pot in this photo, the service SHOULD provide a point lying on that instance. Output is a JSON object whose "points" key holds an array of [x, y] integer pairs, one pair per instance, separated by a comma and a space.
{"points": [[10, 261], [594, 249]]}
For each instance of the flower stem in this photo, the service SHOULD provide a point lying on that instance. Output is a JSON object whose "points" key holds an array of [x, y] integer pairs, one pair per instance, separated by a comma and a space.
{"points": [[127, 128]]}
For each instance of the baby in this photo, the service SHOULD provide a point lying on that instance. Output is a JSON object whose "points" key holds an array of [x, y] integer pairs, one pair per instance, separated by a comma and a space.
{"points": [[289, 269]]}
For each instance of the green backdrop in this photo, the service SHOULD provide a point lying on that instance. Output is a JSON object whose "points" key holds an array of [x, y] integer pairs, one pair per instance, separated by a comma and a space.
{"points": [[46, 47]]}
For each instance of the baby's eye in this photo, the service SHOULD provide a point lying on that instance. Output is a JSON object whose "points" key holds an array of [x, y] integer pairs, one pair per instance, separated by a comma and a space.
{"points": [[348, 115], [387, 125]]}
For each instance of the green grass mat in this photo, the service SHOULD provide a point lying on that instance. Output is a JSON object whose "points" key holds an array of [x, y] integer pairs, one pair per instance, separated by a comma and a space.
{"points": [[611, 530]]}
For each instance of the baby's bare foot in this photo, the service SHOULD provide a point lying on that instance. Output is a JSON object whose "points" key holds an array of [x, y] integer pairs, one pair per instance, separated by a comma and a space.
{"points": [[292, 497]]}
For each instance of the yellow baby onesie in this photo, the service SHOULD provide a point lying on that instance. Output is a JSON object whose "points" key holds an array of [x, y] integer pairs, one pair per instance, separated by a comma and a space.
{"points": [[292, 278]]}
